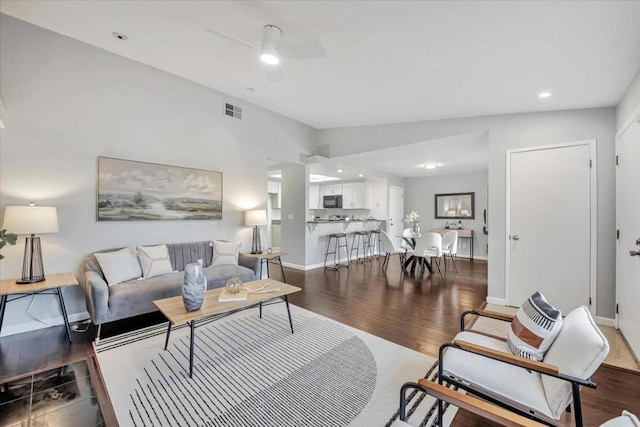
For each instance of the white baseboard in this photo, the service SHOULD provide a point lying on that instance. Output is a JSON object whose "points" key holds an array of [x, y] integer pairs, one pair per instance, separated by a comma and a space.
{"points": [[32, 326], [497, 301], [606, 321]]}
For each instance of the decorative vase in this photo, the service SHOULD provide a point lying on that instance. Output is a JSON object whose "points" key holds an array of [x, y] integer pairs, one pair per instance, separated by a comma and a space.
{"points": [[234, 285], [415, 230], [194, 286]]}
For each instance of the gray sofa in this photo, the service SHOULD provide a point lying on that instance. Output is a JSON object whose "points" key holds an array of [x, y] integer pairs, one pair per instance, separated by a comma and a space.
{"points": [[108, 303]]}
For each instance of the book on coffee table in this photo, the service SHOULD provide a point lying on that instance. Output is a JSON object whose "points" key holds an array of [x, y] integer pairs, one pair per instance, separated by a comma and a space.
{"points": [[225, 296]]}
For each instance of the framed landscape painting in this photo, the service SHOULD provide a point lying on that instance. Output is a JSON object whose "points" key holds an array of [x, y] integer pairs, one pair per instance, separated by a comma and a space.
{"points": [[139, 191]]}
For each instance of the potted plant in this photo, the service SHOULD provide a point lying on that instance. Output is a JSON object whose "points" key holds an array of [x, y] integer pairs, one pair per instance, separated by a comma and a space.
{"points": [[5, 238], [413, 219]]}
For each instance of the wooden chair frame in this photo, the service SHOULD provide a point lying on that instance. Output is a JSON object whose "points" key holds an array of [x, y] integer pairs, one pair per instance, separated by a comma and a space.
{"points": [[541, 367]]}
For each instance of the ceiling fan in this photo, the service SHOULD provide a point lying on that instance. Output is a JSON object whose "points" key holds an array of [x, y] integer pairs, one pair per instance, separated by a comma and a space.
{"points": [[272, 50]]}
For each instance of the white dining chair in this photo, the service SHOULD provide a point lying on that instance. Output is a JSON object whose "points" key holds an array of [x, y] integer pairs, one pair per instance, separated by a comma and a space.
{"points": [[450, 247], [390, 249], [429, 245]]}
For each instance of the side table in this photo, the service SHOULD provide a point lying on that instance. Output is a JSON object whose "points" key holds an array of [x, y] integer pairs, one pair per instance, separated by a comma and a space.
{"points": [[52, 282], [270, 257]]}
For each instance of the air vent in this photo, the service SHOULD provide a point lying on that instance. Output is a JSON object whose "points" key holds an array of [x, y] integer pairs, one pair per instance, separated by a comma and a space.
{"points": [[232, 111]]}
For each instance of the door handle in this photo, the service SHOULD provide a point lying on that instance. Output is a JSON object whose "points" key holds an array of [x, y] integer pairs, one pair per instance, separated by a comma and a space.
{"points": [[515, 237], [638, 242], [634, 253]]}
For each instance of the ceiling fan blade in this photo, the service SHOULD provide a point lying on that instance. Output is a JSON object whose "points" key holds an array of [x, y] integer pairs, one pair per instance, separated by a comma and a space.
{"points": [[230, 37], [303, 49]]}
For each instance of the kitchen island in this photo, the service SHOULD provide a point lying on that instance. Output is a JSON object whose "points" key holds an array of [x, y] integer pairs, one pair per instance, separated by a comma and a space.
{"points": [[319, 229]]}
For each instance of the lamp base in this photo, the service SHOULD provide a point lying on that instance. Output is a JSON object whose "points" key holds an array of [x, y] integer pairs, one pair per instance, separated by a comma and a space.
{"points": [[32, 269], [255, 245], [28, 281]]}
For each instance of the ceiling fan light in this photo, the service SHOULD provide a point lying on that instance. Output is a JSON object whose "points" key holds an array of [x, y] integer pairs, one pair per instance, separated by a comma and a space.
{"points": [[269, 57], [270, 41]]}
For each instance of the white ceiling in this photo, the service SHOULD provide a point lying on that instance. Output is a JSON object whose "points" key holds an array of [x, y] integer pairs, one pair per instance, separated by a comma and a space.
{"points": [[454, 155], [387, 61]]}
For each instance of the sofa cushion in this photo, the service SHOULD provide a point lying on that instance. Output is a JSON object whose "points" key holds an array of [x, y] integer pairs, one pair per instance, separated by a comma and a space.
{"points": [[534, 328], [578, 351], [521, 387], [119, 266], [225, 252], [218, 275], [154, 260], [136, 296]]}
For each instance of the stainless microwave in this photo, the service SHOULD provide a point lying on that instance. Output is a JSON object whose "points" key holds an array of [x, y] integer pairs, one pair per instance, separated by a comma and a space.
{"points": [[332, 201]]}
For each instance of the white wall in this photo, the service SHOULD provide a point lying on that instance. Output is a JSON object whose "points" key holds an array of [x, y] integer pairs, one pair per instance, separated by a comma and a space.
{"points": [[68, 103], [506, 132], [419, 195], [629, 103]]}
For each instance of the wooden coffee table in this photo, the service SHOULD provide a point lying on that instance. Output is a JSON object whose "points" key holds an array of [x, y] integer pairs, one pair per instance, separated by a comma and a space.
{"points": [[173, 308]]}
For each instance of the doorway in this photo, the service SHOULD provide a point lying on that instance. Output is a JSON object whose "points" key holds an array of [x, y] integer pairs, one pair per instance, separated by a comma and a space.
{"points": [[551, 225], [396, 213], [628, 218]]}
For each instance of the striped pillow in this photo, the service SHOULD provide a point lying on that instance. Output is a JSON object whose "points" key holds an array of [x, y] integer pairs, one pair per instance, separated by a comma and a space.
{"points": [[534, 328]]}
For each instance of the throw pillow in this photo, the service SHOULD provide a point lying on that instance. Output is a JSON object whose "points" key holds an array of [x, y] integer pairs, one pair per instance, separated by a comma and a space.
{"points": [[119, 266], [154, 260], [535, 327], [225, 252]]}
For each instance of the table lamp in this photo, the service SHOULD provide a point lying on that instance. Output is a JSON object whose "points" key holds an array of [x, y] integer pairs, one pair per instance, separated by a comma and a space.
{"points": [[255, 218], [31, 220]]}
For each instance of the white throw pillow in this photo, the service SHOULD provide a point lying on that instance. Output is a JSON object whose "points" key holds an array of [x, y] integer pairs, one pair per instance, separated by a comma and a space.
{"points": [[535, 327], [225, 252], [119, 266], [154, 260]]}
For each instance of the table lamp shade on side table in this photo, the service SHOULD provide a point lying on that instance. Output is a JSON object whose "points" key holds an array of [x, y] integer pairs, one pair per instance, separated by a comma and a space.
{"points": [[255, 218], [31, 220]]}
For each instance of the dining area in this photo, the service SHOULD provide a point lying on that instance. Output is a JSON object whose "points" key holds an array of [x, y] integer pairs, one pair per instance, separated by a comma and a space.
{"points": [[426, 252]]}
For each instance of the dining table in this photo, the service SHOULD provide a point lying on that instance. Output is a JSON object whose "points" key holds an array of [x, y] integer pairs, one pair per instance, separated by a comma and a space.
{"points": [[411, 263]]}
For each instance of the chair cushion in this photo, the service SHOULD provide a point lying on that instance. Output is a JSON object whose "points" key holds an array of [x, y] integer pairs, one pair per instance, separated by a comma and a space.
{"points": [[627, 419], [578, 351], [535, 327], [510, 383]]}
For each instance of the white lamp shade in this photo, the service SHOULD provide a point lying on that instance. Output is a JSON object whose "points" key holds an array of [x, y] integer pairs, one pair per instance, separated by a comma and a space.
{"points": [[255, 217], [30, 219]]}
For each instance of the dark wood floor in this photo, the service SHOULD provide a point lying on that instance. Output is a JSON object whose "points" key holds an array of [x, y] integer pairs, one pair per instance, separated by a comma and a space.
{"points": [[418, 313]]}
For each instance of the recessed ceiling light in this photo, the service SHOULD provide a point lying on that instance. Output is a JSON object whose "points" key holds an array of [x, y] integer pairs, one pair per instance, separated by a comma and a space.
{"points": [[430, 165], [544, 94], [120, 36], [361, 175], [339, 170]]}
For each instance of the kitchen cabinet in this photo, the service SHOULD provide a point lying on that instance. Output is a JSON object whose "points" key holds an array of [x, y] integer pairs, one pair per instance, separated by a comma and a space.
{"points": [[273, 188], [332, 190], [314, 197], [355, 195]]}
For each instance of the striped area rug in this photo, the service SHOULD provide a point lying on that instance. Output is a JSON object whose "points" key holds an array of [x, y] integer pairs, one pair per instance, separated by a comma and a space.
{"points": [[253, 372]]}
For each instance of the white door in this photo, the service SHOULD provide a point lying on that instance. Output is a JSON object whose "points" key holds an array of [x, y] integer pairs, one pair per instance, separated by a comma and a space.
{"points": [[628, 251], [396, 213], [549, 225]]}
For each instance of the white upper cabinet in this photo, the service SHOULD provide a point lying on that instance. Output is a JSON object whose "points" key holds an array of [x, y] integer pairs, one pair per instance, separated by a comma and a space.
{"points": [[355, 195], [314, 197], [333, 189], [273, 187]]}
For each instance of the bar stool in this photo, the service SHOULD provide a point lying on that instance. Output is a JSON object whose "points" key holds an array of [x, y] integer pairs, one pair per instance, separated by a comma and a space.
{"points": [[335, 238], [360, 238], [375, 236]]}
